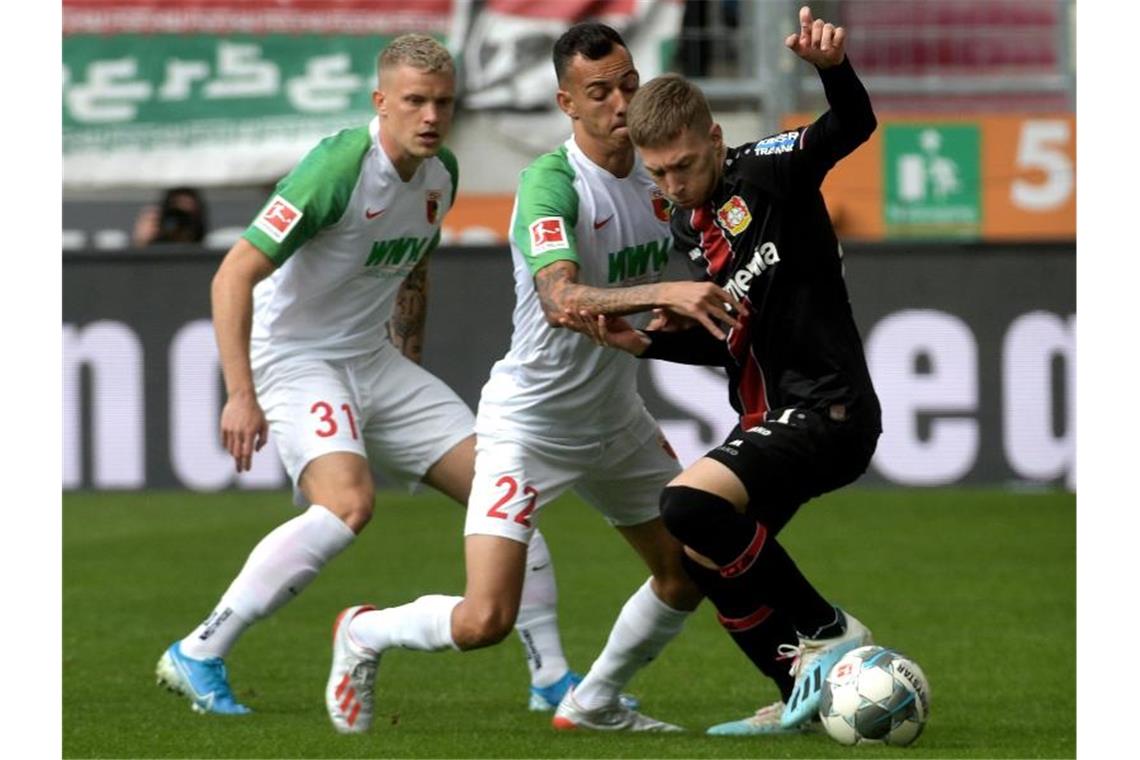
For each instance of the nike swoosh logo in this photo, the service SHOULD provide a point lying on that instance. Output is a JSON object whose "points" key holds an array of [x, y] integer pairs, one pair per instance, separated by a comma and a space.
{"points": [[603, 223], [369, 214], [536, 568], [207, 699]]}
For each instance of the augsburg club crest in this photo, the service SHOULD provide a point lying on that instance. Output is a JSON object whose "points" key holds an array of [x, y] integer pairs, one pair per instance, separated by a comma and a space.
{"points": [[660, 204]]}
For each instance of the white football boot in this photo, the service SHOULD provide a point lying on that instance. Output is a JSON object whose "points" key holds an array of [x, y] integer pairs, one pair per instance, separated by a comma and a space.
{"points": [[352, 679], [571, 716]]}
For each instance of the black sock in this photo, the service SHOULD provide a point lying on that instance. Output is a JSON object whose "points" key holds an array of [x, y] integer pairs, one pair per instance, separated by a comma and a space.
{"points": [[743, 549], [791, 591], [836, 627], [758, 630]]}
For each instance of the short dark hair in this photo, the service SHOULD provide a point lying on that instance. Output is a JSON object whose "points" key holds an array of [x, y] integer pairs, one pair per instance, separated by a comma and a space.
{"points": [[590, 39], [662, 109]]}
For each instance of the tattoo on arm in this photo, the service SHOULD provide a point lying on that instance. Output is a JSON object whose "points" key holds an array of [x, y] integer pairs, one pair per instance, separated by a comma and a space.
{"points": [[406, 327], [551, 283], [558, 289]]}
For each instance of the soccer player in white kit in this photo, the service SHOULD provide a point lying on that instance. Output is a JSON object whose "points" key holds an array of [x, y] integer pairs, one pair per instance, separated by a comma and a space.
{"points": [[589, 232], [319, 313]]}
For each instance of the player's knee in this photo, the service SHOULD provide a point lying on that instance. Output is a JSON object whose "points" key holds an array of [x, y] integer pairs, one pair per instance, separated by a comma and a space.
{"points": [[683, 511], [353, 505], [483, 625], [677, 589], [692, 515]]}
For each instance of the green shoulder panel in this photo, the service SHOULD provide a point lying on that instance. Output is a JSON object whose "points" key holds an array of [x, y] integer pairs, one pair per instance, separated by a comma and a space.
{"points": [[447, 158], [311, 197], [546, 211]]}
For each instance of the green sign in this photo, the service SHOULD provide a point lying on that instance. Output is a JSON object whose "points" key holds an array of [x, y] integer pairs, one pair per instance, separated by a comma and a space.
{"points": [[931, 179], [119, 80], [207, 109]]}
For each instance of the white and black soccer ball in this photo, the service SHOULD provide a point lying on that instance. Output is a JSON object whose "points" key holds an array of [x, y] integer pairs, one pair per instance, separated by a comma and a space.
{"points": [[875, 695]]}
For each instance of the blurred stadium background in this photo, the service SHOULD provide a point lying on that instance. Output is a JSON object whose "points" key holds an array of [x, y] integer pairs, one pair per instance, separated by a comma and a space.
{"points": [[958, 218]]}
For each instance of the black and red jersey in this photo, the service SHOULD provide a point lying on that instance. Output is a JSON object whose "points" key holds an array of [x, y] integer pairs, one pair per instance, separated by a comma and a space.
{"points": [[765, 236]]}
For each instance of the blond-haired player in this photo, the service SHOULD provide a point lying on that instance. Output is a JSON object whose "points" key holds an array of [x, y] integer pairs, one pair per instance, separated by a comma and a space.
{"points": [[319, 314]]}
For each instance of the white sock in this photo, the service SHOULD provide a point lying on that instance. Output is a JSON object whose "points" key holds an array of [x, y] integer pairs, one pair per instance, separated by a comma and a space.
{"points": [[643, 628], [281, 564], [537, 623], [424, 625]]}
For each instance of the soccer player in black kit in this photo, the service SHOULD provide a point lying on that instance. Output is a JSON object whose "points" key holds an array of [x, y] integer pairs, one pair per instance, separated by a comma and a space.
{"points": [[753, 220]]}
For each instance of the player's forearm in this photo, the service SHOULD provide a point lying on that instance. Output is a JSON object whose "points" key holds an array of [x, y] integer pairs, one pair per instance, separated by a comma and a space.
{"points": [[409, 316], [613, 302], [560, 293], [851, 117], [691, 346], [232, 306]]}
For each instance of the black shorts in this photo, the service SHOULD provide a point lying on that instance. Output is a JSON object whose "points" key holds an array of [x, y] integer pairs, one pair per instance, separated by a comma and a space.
{"points": [[794, 456]]}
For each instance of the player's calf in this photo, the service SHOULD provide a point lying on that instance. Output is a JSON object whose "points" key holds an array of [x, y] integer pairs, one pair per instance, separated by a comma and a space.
{"points": [[477, 624]]}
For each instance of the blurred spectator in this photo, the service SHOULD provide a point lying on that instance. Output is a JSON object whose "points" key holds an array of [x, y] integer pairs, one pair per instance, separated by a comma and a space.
{"points": [[693, 50], [179, 218], [707, 37]]}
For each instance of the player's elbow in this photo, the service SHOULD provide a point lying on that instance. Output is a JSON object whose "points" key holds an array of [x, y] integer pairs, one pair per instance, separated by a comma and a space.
{"points": [[222, 283], [872, 124], [552, 316], [866, 127], [555, 309]]}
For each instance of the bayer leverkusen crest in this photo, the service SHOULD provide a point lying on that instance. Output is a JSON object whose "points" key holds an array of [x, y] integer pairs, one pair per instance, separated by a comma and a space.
{"points": [[734, 216], [432, 206]]}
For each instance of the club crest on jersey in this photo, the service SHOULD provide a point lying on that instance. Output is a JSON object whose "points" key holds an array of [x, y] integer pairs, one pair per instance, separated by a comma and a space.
{"points": [[547, 234], [660, 205], [278, 219], [734, 215], [432, 206]]}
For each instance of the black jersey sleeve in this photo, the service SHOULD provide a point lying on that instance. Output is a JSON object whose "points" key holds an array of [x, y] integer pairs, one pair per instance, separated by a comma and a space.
{"points": [[799, 159], [692, 346]]}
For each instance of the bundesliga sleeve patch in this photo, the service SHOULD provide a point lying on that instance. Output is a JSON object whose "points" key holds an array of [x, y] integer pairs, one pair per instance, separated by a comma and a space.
{"points": [[278, 219], [548, 234]]}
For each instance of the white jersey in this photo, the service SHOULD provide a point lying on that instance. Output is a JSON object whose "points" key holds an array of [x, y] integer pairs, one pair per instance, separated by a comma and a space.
{"points": [[555, 383], [345, 231]]}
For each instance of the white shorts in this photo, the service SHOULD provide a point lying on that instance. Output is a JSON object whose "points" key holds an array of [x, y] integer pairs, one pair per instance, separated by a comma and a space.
{"points": [[515, 477], [383, 406]]}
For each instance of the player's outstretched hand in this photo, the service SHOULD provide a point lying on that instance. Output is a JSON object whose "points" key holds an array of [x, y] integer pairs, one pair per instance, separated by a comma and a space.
{"points": [[705, 302], [818, 43], [244, 429]]}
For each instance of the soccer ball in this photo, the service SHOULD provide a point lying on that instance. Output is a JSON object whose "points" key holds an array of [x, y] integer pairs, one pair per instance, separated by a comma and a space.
{"points": [[875, 695]]}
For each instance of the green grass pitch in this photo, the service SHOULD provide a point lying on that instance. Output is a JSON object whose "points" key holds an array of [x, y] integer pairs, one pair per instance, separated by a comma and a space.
{"points": [[979, 587]]}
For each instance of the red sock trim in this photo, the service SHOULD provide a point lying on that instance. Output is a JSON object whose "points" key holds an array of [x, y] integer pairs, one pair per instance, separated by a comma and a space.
{"points": [[735, 625], [741, 564]]}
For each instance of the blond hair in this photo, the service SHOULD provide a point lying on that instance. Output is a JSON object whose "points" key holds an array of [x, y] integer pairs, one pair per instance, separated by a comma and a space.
{"points": [[418, 51], [663, 108]]}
